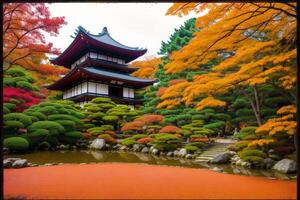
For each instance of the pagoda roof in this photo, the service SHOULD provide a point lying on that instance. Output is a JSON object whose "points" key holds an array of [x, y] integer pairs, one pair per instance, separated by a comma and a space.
{"points": [[107, 65], [79, 73], [85, 41]]}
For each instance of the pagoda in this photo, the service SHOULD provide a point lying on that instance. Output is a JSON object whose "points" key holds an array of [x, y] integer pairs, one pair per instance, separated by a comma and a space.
{"points": [[98, 68]]}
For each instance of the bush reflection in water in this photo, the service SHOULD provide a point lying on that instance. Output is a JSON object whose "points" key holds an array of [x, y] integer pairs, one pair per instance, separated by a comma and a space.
{"points": [[89, 156]]}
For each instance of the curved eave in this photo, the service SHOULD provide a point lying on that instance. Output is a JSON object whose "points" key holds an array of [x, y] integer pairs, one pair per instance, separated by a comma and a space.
{"points": [[83, 42], [77, 74], [107, 65], [135, 82]]}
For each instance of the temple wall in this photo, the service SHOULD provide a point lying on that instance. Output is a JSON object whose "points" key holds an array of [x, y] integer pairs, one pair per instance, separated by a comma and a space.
{"points": [[97, 56], [86, 87], [128, 92]]}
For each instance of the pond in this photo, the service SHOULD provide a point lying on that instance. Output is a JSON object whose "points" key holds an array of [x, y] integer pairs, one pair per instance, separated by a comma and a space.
{"points": [[90, 156]]}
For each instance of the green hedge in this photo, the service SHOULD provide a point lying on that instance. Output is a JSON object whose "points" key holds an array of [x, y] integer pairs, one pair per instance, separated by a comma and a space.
{"points": [[17, 144]]}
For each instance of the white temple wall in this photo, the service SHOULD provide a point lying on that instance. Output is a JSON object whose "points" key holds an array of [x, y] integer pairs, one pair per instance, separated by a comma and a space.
{"points": [[97, 56], [102, 89], [92, 87], [128, 92]]}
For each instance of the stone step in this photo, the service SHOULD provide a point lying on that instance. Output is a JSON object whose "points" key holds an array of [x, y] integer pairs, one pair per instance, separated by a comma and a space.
{"points": [[210, 153], [205, 156]]}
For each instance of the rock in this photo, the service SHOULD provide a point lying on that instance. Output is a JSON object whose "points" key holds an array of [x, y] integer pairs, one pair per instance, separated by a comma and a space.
{"points": [[34, 165], [176, 153], [239, 162], [98, 144], [182, 152], [20, 163], [217, 169], [245, 164], [285, 166], [151, 148], [48, 164], [235, 158], [117, 146], [268, 163], [62, 147], [155, 151], [188, 156], [123, 148], [271, 151], [107, 146], [137, 147], [162, 153], [145, 150], [7, 163], [170, 153], [74, 147], [222, 158]]}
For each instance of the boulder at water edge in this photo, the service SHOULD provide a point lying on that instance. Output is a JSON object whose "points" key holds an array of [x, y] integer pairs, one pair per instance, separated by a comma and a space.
{"points": [[286, 166], [145, 150], [182, 152], [98, 144], [20, 163], [222, 158]]}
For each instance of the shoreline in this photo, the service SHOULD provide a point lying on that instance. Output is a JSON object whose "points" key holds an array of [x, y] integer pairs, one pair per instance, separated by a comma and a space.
{"points": [[127, 180]]}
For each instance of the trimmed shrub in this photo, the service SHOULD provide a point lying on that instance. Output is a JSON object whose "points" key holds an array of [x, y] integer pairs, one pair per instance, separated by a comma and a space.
{"points": [[17, 144], [190, 148], [110, 118], [13, 125], [10, 106], [169, 129], [24, 119], [70, 137], [67, 124], [165, 146], [54, 128], [86, 136], [138, 136], [144, 140], [5, 110], [128, 142], [108, 138], [251, 152], [24, 84], [197, 144], [239, 146], [248, 132]]}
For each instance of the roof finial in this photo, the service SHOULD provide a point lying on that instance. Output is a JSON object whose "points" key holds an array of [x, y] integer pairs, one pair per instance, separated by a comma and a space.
{"points": [[104, 31]]}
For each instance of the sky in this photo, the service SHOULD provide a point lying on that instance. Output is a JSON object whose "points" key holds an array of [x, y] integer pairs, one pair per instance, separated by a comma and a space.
{"points": [[132, 24]]}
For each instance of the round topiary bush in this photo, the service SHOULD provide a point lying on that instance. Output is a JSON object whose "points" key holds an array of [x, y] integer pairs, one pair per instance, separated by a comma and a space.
{"points": [[190, 148], [54, 128], [24, 119], [16, 144], [24, 84]]}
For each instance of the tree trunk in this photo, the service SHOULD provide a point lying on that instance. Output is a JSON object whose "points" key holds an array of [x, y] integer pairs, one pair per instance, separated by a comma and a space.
{"points": [[254, 105]]}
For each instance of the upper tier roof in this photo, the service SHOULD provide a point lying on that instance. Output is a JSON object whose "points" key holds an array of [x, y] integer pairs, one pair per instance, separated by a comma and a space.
{"points": [[93, 73], [103, 42]]}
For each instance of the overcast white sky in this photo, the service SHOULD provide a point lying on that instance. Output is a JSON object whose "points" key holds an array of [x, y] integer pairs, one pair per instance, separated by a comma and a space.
{"points": [[132, 24]]}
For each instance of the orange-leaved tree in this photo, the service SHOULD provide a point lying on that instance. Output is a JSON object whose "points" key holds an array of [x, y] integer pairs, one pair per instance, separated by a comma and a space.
{"points": [[255, 42], [254, 45], [24, 26], [146, 68]]}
